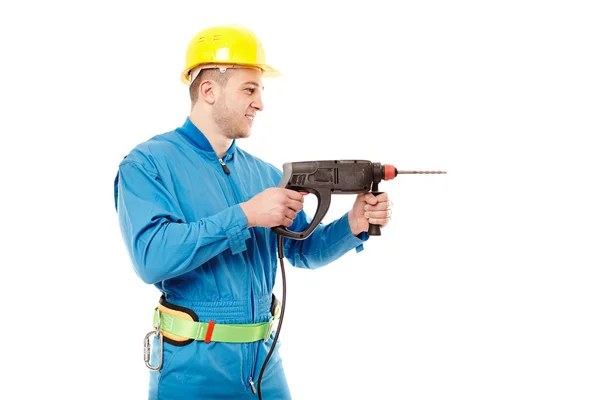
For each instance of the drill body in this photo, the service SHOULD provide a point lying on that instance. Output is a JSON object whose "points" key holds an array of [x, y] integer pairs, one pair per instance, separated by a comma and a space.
{"points": [[336, 176], [324, 178]]}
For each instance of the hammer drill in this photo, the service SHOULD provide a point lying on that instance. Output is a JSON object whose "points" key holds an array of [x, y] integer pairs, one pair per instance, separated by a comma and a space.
{"points": [[322, 178]]}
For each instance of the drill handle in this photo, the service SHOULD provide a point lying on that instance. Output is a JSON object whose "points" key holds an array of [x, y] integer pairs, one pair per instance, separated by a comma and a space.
{"points": [[324, 200]]}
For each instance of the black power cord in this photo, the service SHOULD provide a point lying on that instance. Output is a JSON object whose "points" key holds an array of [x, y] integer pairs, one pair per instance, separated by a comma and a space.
{"points": [[280, 255]]}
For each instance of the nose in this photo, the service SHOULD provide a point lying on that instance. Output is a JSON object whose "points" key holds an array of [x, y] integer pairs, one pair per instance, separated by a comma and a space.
{"points": [[258, 103]]}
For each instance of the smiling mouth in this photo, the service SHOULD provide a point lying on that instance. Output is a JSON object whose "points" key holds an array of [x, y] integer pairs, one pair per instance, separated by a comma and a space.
{"points": [[250, 119]]}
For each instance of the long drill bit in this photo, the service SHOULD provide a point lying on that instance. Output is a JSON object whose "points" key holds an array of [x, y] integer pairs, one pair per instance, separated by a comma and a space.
{"points": [[420, 172]]}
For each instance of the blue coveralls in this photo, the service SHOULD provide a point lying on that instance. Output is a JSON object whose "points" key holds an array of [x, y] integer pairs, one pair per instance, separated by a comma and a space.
{"points": [[187, 235]]}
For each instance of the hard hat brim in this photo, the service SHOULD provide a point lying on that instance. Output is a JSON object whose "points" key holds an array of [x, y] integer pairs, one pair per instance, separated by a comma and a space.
{"points": [[267, 71], [270, 72]]}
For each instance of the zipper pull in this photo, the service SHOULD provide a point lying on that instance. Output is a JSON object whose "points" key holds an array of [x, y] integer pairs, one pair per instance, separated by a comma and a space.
{"points": [[252, 386], [224, 166]]}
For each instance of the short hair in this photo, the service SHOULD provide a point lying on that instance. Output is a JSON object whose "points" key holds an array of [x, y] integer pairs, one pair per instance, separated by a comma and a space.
{"points": [[212, 74]]}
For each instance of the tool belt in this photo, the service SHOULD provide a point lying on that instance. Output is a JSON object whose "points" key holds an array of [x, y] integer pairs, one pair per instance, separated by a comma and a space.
{"points": [[180, 326]]}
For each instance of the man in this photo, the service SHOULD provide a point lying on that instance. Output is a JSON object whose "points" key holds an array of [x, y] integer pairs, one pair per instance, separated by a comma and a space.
{"points": [[196, 213]]}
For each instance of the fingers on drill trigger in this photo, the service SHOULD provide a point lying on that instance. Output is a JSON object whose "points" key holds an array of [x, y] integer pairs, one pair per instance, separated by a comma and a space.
{"points": [[304, 194], [292, 194]]}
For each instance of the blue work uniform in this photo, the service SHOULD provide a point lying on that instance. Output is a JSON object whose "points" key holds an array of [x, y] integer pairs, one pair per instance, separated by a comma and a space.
{"points": [[180, 217]]}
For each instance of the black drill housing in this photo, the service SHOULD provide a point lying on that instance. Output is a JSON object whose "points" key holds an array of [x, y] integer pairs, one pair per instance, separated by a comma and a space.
{"points": [[323, 178]]}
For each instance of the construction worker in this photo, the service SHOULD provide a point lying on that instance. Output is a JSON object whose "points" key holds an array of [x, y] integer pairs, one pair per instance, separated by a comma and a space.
{"points": [[195, 212]]}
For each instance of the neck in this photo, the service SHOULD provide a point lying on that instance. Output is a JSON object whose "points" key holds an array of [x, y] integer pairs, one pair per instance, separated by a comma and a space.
{"points": [[219, 142]]}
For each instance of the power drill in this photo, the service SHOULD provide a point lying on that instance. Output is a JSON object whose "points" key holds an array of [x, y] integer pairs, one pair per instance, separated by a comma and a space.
{"points": [[322, 178]]}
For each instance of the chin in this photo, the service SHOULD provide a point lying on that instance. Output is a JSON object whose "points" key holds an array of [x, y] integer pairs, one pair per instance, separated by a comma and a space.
{"points": [[244, 134]]}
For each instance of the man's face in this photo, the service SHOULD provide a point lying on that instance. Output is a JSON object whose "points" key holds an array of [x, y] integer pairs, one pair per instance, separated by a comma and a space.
{"points": [[238, 102]]}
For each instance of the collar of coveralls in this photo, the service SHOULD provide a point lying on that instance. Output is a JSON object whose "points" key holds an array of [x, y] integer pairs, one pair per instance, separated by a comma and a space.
{"points": [[199, 141]]}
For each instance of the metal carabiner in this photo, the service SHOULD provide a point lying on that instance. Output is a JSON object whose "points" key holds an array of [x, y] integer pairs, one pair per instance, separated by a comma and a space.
{"points": [[148, 347]]}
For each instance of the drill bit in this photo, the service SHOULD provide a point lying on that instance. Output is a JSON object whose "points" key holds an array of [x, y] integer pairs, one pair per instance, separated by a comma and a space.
{"points": [[419, 172], [390, 172]]}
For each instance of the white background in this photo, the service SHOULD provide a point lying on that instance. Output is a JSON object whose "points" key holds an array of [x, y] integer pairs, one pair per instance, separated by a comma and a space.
{"points": [[485, 285]]}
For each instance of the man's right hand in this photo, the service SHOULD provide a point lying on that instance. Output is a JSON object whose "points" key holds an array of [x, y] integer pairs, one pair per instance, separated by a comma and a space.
{"points": [[273, 207]]}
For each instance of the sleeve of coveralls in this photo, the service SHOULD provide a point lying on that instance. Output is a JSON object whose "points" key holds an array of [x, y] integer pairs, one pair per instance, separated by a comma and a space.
{"points": [[160, 244], [326, 244]]}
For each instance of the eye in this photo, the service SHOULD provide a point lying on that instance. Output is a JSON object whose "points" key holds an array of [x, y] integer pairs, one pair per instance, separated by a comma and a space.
{"points": [[250, 90]]}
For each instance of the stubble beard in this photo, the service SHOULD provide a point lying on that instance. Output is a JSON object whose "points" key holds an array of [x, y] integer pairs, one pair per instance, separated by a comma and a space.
{"points": [[229, 122]]}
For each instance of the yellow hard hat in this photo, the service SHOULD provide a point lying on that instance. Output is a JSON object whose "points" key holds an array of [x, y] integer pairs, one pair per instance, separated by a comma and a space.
{"points": [[227, 46]]}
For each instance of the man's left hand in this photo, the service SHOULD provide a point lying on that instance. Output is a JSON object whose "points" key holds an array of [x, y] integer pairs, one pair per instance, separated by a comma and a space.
{"points": [[369, 208]]}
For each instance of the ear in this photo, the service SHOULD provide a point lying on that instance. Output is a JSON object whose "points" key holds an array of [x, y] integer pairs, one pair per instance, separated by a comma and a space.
{"points": [[208, 91]]}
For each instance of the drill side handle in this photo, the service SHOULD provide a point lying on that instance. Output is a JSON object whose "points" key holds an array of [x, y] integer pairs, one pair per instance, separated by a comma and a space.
{"points": [[374, 229], [324, 200]]}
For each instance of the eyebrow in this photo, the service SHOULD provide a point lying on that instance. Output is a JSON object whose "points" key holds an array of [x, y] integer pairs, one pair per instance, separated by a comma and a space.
{"points": [[255, 84]]}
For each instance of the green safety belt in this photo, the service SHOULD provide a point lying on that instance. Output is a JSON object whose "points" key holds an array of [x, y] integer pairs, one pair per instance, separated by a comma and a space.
{"points": [[211, 332]]}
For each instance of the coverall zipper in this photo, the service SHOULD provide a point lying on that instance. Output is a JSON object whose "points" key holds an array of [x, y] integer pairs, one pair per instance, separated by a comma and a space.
{"points": [[224, 167], [227, 172], [251, 352]]}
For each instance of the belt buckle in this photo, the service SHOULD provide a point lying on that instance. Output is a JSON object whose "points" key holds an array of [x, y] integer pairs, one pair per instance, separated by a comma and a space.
{"points": [[275, 307], [269, 329]]}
